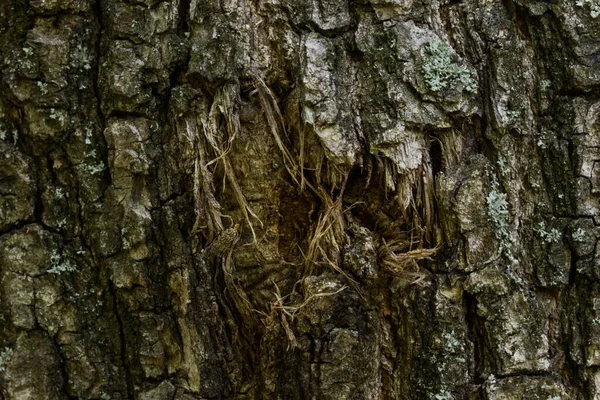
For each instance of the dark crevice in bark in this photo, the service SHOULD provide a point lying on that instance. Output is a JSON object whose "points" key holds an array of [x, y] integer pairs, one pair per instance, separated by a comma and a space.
{"points": [[475, 335], [99, 30], [123, 341], [184, 24], [173, 197], [62, 368], [38, 208], [436, 157], [34, 308], [17, 227], [308, 27], [50, 169], [573, 269], [81, 217], [590, 93]]}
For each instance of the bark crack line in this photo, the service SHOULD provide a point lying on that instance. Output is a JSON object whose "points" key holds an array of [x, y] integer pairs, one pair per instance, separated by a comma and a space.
{"points": [[62, 366], [123, 342], [95, 83]]}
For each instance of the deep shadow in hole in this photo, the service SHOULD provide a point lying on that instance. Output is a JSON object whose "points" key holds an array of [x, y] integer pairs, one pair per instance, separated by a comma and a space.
{"points": [[435, 156], [375, 208]]}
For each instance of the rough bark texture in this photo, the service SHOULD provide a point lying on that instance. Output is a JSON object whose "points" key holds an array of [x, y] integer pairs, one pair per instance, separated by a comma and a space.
{"points": [[299, 199]]}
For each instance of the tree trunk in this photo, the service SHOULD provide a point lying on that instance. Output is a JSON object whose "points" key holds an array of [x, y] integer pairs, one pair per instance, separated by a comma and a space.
{"points": [[299, 199]]}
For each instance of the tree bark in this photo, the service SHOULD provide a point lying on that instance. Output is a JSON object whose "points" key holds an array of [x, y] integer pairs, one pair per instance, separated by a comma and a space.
{"points": [[299, 199]]}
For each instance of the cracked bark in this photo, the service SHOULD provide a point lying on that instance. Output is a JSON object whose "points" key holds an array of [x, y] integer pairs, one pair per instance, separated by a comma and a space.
{"points": [[279, 199]]}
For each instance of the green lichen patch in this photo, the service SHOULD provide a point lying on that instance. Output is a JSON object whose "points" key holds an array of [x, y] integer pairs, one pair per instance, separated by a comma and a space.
{"points": [[5, 357], [593, 5], [442, 72], [499, 215]]}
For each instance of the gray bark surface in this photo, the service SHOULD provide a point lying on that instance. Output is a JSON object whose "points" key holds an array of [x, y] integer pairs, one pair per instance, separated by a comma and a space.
{"points": [[299, 199]]}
